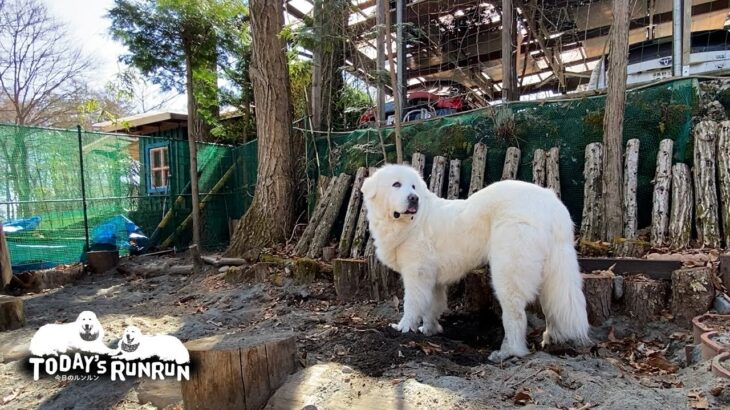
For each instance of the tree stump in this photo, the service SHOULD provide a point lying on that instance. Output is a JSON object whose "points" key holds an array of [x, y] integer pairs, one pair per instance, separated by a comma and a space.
{"points": [[680, 218], [438, 172], [12, 315], [233, 372], [598, 288], [478, 294], [630, 248], [478, 166], [692, 293], [418, 162], [6, 268], [538, 167], [723, 176], [352, 280], [630, 182], [352, 214], [591, 227], [384, 282], [660, 203], [708, 227], [511, 163], [320, 207], [454, 176], [322, 233], [552, 170], [644, 298]]}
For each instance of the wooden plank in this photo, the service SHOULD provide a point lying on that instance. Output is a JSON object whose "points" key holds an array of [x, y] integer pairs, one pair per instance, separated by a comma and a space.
{"points": [[654, 269]]}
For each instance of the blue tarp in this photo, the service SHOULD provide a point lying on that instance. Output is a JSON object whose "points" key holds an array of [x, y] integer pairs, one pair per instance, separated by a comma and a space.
{"points": [[19, 225], [119, 232]]}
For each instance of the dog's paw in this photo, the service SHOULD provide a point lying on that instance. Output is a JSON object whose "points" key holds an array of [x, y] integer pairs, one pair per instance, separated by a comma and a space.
{"points": [[405, 325], [499, 356], [431, 329]]}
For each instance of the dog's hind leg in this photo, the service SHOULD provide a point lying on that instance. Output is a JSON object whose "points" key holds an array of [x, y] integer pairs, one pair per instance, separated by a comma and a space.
{"points": [[433, 312]]}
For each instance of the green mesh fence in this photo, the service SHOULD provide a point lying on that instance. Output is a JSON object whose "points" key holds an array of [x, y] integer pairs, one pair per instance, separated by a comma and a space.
{"points": [[42, 202], [652, 113]]}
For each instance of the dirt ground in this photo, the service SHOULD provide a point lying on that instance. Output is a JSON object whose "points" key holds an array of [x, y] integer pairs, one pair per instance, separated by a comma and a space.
{"points": [[354, 356]]}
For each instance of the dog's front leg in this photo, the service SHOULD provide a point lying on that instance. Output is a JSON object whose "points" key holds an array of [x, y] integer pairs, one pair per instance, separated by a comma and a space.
{"points": [[418, 298]]}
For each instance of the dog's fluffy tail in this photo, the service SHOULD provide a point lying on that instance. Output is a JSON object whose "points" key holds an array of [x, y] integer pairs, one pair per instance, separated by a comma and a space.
{"points": [[562, 296]]}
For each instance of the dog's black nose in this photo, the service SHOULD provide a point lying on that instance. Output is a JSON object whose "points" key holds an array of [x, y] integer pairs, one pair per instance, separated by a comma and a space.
{"points": [[413, 198]]}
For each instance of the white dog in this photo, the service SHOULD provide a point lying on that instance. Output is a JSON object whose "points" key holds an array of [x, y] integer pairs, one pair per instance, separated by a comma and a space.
{"points": [[522, 230], [134, 345], [85, 334]]}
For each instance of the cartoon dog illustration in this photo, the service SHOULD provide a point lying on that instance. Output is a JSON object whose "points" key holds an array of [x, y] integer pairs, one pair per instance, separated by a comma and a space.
{"points": [[84, 334], [134, 345]]}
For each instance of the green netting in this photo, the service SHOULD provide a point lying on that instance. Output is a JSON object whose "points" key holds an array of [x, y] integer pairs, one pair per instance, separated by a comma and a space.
{"points": [[652, 113], [41, 194]]}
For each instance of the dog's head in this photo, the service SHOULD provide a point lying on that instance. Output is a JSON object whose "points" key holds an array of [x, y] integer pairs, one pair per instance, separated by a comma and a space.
{"points": [[88, 326], [130, 339], [394, 192]]}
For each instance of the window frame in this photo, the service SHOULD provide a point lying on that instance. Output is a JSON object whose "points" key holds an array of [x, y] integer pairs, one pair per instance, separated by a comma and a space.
{"points": [[151, 149]]}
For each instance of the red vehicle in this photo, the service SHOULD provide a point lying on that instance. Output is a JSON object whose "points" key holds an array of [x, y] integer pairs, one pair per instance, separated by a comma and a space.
{"points": [[421, 105]]}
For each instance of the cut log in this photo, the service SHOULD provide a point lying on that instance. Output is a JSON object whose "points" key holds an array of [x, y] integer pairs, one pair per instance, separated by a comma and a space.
{"points": [[598, 288], [511, 163], [631, 167], [12, 315], [630, 248], [219, 261], [552, 170], [352, 282], [418, 162], [233, 372], [306, 270], [306, 238], [660, 202], [324, 228], [102, 261], [359, 240], [454, 178], [478, 166], [478, 294], [692, 293], [37, 281], [723, 176], [705, 150], [6, 268], [680, 218], [352, 214], [591, 228], [384, 282], [644, 298], [538, 167], [438, 172]]}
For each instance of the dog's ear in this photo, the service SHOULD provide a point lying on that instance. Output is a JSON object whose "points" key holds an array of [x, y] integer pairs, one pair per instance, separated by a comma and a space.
{"points": [[368, 188]]}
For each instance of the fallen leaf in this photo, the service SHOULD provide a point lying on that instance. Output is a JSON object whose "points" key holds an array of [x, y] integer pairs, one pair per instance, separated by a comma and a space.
{"points": [[10, 397], [612, 335], [522, 397], [697, 400], [660, 362]]}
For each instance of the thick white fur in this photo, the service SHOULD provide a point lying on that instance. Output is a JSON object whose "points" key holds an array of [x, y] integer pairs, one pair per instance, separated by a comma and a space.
{"points": [[52, 339], [522, 230], [165, 347]]}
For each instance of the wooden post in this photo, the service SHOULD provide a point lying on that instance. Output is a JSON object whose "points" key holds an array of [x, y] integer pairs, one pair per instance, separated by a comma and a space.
{"points": [[6, 268], [306, 238], [538, 167], [321, 234], [233, 372], [12, 315], [351, 279], [591, 228], [509, 67], [723, 176], [644, 298], [705, 150], [353, 211], [613, 121], [630, 183], [478, 166], [692, 293], [598, 288], [437, 176], [552, 170], [660, 203], [680, 218], [511, 163], [454, 175], [419, 162]]}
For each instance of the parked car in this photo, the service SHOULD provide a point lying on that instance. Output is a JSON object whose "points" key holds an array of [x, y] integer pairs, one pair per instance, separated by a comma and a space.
{"points": [[420, 105]]}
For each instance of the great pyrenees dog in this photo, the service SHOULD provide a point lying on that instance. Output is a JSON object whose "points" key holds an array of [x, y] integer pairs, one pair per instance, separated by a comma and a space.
{"points": [[85, 334], [521, 230], [134, 345]]}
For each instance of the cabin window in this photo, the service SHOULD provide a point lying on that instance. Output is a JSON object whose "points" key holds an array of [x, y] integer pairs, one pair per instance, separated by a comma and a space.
{"points": [[159, 168]]}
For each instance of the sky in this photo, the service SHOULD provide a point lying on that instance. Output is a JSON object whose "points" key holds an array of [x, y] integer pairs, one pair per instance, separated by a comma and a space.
{"points": [[88, 26]]}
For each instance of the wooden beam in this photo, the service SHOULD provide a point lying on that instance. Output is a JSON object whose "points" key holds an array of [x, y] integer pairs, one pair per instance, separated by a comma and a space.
{"points": [[655, 269]]}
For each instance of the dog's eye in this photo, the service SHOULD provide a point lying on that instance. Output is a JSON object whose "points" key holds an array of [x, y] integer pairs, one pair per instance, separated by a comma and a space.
{"points": [[396, 184]]}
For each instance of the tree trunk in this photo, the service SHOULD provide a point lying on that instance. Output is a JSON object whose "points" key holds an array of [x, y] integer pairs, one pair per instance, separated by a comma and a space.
{"points": [[591, 228], [662, 183], [6, 268], [418, 162], [630, 183], [509, 65], [692, 293], [330, 17], [437, 176], [394, 86], [705, 150], [511, 163], [353, 211], [723, 175], [613, 121], [680, 219], [478, 166], [538, 167], [454, 174], [270, 217], [324, 228], [598, 288], [644, 298], [552, 170], [319, 208]]}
